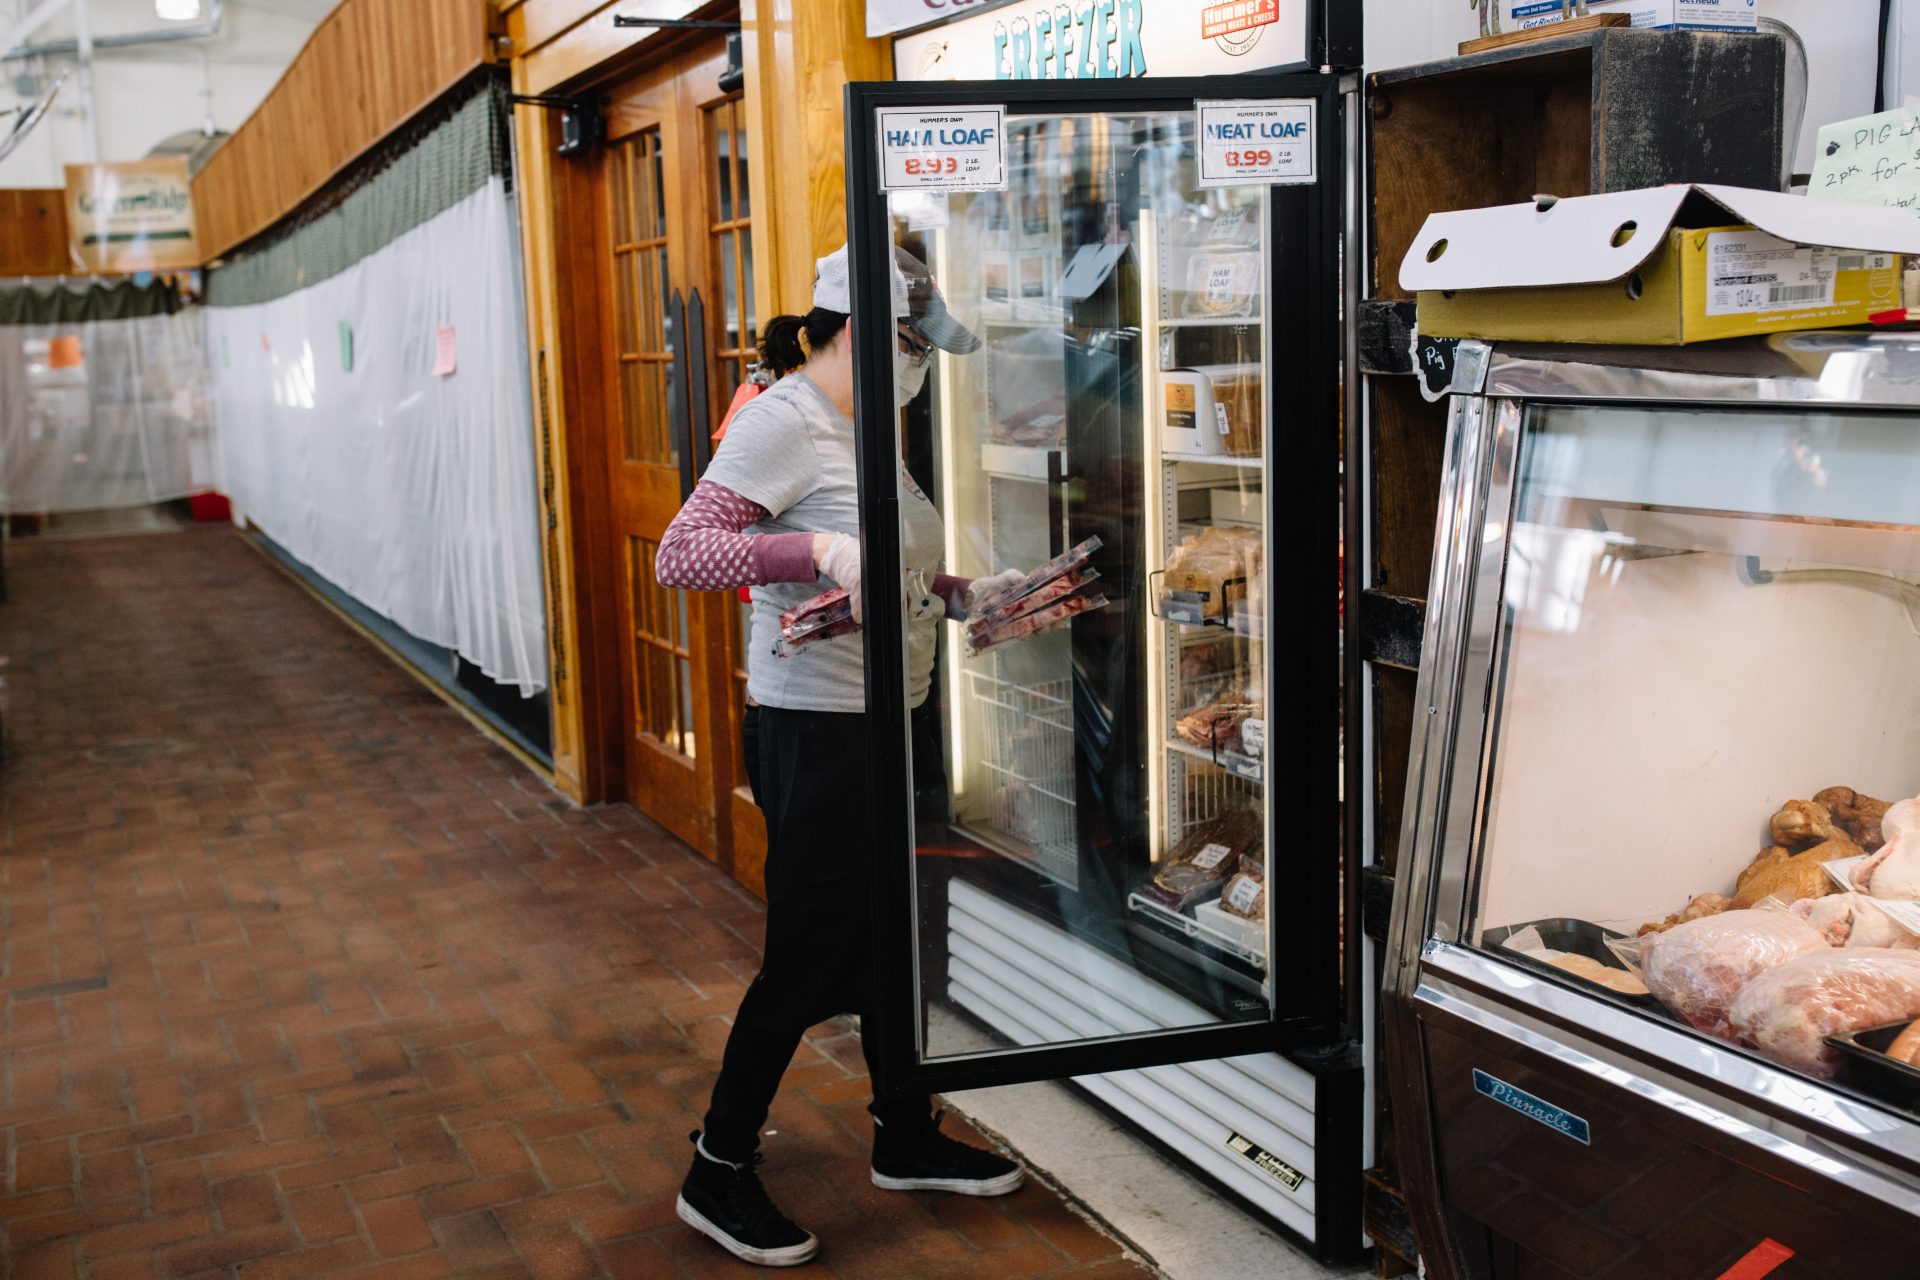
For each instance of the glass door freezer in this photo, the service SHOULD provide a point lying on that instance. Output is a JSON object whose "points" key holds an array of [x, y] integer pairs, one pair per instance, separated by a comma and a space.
{"points": [[1112, 816], [1652, 939]]}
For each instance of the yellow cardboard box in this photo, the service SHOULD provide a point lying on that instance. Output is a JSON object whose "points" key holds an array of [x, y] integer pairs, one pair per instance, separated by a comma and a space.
{"points": [[1659, 267]]}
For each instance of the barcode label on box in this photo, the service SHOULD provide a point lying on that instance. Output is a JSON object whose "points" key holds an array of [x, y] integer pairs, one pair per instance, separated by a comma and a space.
{"points": [[1750, 272]]}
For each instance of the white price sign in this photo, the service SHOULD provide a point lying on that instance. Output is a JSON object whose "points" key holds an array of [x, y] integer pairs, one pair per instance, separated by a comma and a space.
{"points": [[1258, 142], [934, 149]]}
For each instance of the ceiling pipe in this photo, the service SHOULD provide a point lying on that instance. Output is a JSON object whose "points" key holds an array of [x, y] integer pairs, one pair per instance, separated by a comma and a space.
{"points": [[83, 44], [210, 26]]}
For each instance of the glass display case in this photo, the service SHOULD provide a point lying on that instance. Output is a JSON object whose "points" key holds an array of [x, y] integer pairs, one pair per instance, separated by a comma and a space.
{"points": [[1091, 867], [1645, 975]]}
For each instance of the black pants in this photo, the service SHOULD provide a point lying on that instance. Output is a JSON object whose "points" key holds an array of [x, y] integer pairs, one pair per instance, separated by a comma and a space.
{"points": [[808, 770]]}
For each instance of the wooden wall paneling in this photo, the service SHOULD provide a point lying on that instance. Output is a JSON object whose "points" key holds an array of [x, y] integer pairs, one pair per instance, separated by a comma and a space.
{"points": [[368, 67], [560, 41], [36, 239]]}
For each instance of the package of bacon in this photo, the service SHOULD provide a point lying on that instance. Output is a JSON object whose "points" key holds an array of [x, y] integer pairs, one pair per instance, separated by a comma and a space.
{"points": [[825, 616]]}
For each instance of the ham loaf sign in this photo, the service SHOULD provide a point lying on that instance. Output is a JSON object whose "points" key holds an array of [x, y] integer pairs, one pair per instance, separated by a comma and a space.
{"points": [[1090, 39]]}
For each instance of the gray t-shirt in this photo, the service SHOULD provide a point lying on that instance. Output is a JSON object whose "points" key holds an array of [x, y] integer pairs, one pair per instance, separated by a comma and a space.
{"points": [[792, 452]]}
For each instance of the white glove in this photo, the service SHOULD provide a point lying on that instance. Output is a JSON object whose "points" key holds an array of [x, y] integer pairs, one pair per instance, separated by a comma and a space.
{"points": [[983, 588], [838, 557]]}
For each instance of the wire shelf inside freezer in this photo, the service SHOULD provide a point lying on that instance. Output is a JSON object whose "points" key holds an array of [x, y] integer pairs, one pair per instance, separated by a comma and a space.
{"points": [[1026, 758]]}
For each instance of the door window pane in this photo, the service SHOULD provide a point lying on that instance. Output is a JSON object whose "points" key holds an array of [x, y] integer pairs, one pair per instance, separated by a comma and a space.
{"points": [[664, 686], [640, 297]]}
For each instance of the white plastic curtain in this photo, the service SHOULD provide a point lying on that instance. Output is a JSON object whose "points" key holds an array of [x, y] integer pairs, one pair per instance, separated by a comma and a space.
{"points": [[103, 413], [378, 425]]}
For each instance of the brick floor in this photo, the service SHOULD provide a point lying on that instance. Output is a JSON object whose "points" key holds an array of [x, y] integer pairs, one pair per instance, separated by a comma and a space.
{"points": [[304, 977]]}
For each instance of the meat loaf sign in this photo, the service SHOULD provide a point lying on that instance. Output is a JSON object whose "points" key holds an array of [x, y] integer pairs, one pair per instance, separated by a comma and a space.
{"points": [[1090, 39]]}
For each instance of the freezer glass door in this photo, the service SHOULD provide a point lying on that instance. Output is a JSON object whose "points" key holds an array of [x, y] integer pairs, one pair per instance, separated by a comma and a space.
{"points": [[1120, 363]]}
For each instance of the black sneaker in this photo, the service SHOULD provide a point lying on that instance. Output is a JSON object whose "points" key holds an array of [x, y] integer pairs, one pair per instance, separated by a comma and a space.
{"points": [[922, 1158], [726, 1203]]}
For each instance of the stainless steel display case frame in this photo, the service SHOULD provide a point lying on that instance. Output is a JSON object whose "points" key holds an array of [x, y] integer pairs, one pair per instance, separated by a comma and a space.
{"points": [[1760, 1115]]}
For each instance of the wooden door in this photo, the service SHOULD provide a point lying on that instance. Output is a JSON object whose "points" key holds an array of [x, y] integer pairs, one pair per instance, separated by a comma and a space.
{"points": [[676, 219]]}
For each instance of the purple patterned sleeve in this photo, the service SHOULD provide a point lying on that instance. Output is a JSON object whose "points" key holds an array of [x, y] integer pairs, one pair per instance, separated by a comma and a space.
{"points": [[707, 546]]}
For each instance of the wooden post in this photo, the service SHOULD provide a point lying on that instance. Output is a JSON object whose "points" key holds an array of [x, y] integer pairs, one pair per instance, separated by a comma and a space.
{"points": [[799, 54]]}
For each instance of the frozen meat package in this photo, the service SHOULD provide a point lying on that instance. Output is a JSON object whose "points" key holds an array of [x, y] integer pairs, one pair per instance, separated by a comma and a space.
{"points": [[1697, 969], [822, 617], [1206, 859], [1042, 600], [1789, 1011]]}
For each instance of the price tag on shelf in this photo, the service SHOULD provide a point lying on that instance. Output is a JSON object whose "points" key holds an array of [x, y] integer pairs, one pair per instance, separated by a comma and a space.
{"points": [[1272, 141], [931, 149]]}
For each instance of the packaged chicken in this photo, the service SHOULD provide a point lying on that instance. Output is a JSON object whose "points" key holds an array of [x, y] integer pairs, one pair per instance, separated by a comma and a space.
{"points": [[1209, 856], [1697, 969], [1854, 920], [1893, 870], [1789, 1011]]}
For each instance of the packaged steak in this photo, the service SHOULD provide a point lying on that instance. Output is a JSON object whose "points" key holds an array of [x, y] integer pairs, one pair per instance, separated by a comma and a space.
{"points": [[1246, 894], [1034, 623], [987, 620], [1209, 856], [823, 617], [1216, 725], [1065, 563]]}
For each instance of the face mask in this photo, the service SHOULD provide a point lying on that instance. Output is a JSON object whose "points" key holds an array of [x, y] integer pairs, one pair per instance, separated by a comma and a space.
{"points": [[909, 376]]}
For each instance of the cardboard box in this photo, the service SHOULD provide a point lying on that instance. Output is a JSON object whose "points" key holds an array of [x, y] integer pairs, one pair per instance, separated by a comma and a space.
{"points": [[1692, 15], [1664, 266]]}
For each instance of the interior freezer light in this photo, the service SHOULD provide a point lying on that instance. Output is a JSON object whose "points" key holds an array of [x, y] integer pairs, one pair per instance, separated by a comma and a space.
{"points": [[177, 10]]}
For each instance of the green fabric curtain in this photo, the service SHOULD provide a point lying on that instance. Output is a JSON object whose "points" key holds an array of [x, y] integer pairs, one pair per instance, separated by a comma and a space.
{"points": [[422, 177], [123, 301]]}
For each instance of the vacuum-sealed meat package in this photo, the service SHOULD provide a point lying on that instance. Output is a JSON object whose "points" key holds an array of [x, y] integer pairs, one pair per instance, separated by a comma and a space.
{"points": [[1059, 566], [1789, 1011], [986, 621], [1209, 856], [1246, 894], [1032, 624], [823, 617], [1697, 969]]}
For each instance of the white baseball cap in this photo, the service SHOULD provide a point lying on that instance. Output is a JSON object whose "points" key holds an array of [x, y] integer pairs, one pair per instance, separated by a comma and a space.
{"points": [[916, 299]]}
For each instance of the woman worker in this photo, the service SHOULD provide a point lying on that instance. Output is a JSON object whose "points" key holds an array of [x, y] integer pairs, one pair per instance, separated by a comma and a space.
{"points": [[778, 511]]}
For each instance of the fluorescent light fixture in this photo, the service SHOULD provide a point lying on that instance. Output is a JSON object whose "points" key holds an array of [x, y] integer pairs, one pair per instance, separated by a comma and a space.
{"points": [[177, 10]]}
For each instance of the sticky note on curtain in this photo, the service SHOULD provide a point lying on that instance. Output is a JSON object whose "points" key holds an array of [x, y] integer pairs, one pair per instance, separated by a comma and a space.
{"points": [[64, 353], [445, 354], [346, 347], [1872, 160]]}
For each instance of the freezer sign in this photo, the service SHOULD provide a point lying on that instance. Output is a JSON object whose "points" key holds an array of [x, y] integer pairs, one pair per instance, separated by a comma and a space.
{"points": [[1267, 1162]]}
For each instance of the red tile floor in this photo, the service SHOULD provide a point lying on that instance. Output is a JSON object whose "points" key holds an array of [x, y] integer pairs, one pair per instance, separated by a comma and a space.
{"points": [[303, 976]]}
